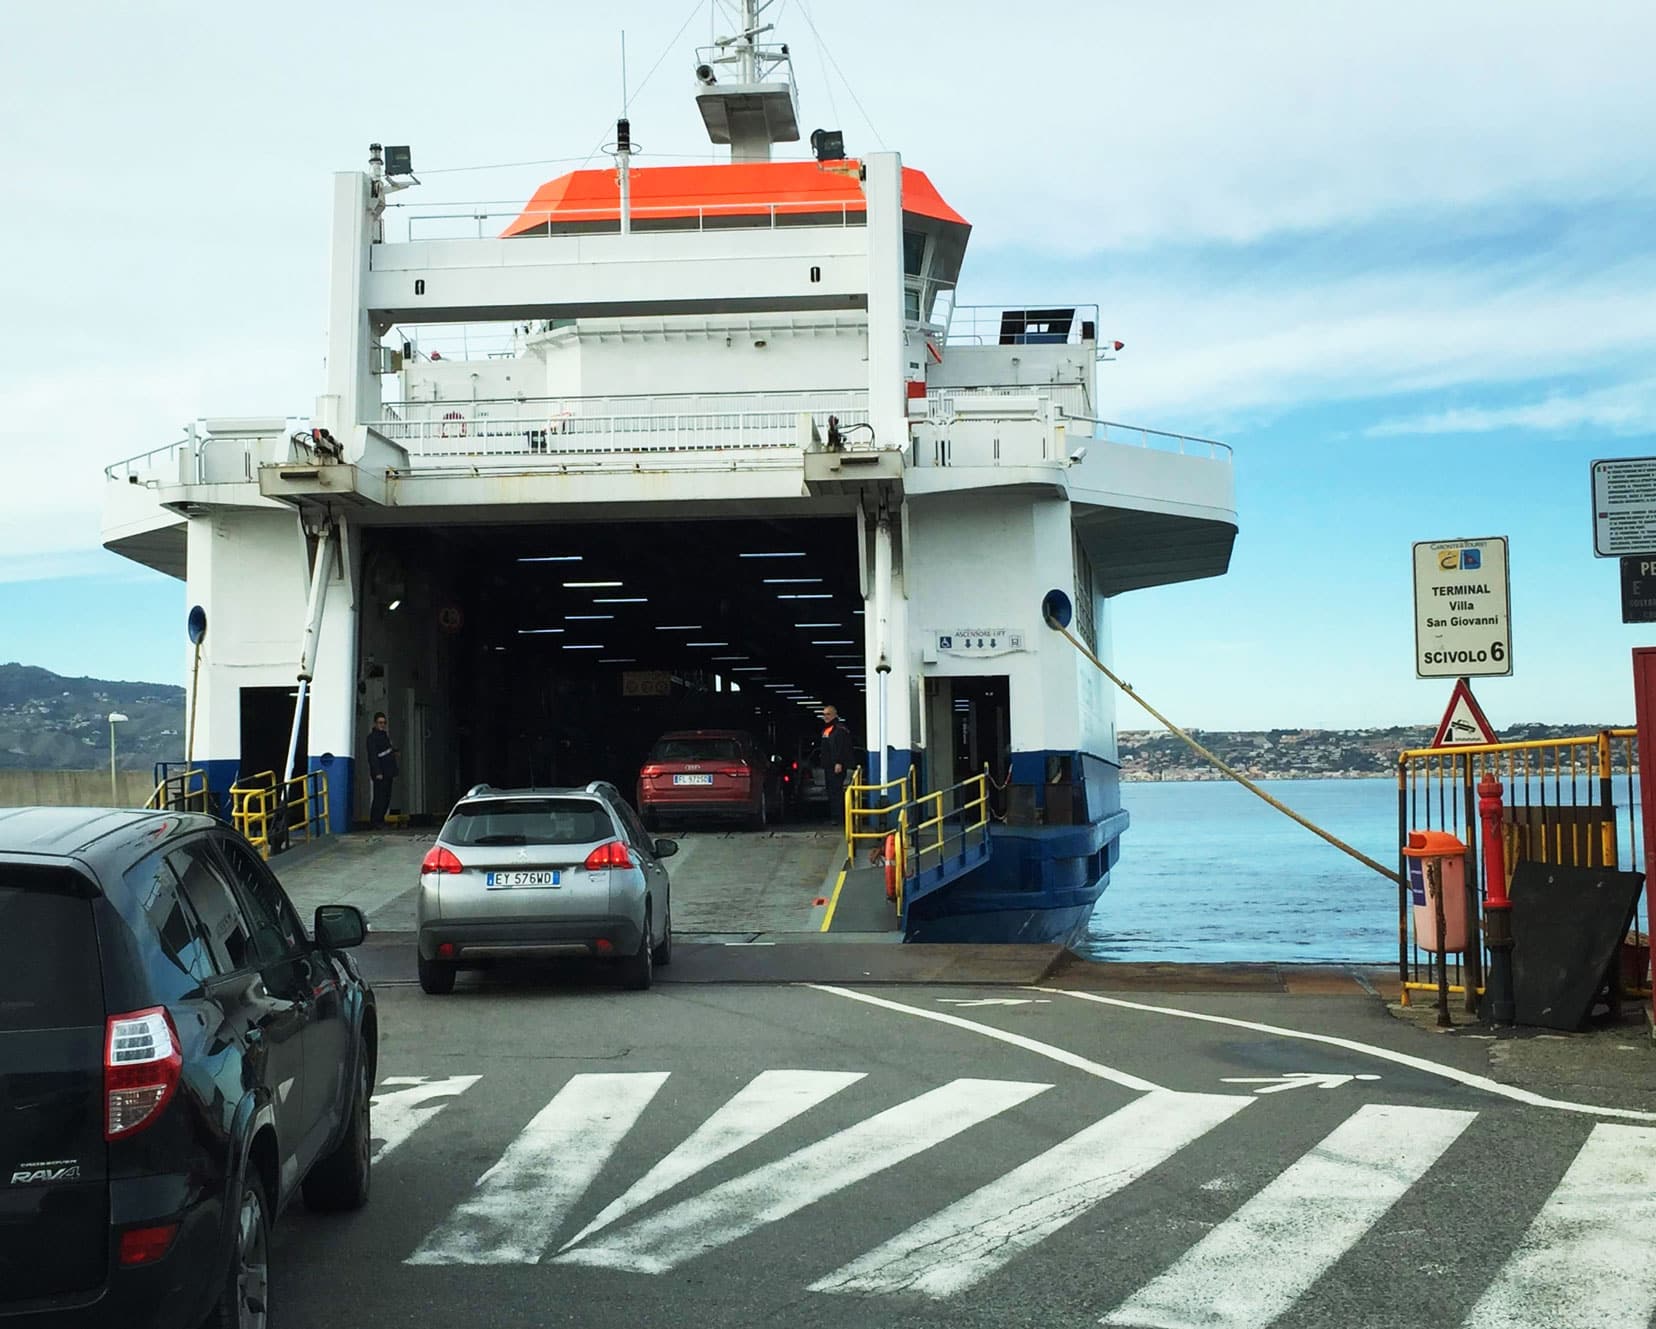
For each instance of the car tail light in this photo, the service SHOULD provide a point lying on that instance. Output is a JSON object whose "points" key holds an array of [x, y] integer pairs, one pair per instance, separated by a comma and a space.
{"points": [[440, 859], [142, 1063], [144, 1245], [611, 855], [650, 772]]}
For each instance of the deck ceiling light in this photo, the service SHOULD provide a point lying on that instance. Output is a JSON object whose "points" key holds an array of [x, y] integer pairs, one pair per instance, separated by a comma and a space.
{"points": [[707, 643], [798, 553], [539, 632], [589, 618], [617, 659], [590, 585], [793, 581], [569, 647], [814, 595], [678, 627], [620, 600], [819, 625], [552, 558], [838, 642]]}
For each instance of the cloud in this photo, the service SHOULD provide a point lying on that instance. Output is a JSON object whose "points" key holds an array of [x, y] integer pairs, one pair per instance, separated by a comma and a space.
{"points": [[1204, 353], [1626, 408]]}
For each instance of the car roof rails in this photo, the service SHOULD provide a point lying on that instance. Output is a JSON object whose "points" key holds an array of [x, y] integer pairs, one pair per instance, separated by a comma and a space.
{"points": [[477, 789]]}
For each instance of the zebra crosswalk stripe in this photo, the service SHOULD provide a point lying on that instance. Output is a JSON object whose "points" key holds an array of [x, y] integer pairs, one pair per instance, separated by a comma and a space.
{"points": [[1586, 1260], [971, 1239], [1260, 1261], [519, 1204], [744, 1204], [771, 1099], [398, 1112]]}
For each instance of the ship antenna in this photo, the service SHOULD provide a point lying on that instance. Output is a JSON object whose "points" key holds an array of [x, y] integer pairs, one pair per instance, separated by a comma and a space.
{"points": [[623, 148]]}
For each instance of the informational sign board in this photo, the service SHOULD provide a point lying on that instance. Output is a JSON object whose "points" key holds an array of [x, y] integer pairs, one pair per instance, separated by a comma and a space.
{"points": [[1624, 506], [979, 641], [1638, 587], [1463, 608], [646, 683], [1463, 720]]}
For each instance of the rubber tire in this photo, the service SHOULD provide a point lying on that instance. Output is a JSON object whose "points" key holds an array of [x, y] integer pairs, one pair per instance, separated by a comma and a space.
{"points": [[663, 955], [436, 977], [226, 1312], [638, 971], [339, 1182]]}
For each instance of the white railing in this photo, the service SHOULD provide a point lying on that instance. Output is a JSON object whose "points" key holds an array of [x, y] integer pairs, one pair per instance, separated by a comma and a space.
{"points": [[490, 219], [576, 426], [1158, 440], [1071, 398], [203, 457], [145, 465], [988, 325]]}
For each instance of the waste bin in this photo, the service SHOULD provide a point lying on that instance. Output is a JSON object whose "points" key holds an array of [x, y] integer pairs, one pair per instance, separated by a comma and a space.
{"points": [[1449, 854]]}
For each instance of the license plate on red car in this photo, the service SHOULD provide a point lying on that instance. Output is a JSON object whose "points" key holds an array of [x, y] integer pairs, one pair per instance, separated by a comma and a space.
{"points": [[692, 779]]}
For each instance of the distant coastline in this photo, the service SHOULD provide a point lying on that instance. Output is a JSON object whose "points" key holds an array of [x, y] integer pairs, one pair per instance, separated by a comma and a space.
{"points": [[1155, 756]]}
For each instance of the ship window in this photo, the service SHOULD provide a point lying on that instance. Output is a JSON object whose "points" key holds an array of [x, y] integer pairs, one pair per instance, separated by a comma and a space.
{"points": [[914, 252], [911, 304]]}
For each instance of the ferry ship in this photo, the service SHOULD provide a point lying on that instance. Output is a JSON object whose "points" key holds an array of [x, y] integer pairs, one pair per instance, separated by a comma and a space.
{"points": [[684, 445]]}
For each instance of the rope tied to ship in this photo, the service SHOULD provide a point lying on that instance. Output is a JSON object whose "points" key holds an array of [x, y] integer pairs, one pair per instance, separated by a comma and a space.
{"points": [[1228, 770]]}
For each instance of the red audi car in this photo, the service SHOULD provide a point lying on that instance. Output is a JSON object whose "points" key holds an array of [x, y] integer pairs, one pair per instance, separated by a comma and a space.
{"points": [[694, 773]]}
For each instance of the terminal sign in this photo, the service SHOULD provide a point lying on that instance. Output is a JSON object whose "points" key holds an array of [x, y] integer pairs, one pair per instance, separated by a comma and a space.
{"points": [[979, 641], [1463, 608]]}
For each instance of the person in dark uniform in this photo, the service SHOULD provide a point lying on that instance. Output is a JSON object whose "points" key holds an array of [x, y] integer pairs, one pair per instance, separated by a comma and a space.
{"points": [[382, 765], [835, 752]]}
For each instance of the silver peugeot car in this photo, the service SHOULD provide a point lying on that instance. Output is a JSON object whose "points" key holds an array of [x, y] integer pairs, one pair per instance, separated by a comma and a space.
{"points": [[521, 874]]}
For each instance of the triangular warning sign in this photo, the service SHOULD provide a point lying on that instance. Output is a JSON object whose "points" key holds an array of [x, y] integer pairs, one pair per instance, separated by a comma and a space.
{"points": [[1464, 721]]}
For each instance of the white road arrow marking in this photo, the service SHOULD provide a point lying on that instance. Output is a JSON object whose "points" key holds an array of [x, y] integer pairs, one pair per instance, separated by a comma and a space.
{"points": [[1583, 1260], [1250, 1269], [398, 1113], [1296, 1080], [963, 1244], [995, 1001], [769, 1100], [519, 1204], [745, 1204]]}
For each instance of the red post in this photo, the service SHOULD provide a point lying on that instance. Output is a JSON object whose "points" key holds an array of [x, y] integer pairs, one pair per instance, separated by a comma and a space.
{"points": [[1490, 807], [1497, 907], [1644, 706]]}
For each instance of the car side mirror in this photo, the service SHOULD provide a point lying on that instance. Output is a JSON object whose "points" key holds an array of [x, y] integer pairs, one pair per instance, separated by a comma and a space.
{"points": [[666, 848], [339, 926]]}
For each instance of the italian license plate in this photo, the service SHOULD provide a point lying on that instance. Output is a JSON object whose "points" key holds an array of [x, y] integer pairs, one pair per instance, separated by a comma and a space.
{"points": [[499, 881], [692, 779]]}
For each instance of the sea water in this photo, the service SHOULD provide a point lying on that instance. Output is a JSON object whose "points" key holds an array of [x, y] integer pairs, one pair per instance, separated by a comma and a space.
{"points": [[1210, 872]]}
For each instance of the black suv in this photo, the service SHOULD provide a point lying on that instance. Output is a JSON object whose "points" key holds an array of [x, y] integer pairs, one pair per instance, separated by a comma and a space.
{"points": [[177, 1059]]}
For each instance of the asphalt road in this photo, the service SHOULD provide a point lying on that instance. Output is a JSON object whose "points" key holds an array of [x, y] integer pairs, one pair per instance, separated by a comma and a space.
{"points": [[557, 1152]]}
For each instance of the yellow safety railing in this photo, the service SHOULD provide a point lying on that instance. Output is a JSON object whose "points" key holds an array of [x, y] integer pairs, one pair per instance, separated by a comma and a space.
{"points": [[920, 826], [259, 806], [1568, 801], [867, 802], [181, 791]]}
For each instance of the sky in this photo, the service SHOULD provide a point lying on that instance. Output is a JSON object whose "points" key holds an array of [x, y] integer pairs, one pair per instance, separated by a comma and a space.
{"points": [[1396, 256]]}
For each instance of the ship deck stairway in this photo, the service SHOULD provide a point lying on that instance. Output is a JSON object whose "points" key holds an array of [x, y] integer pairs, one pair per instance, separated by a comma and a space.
{"points": [[903, 845]]}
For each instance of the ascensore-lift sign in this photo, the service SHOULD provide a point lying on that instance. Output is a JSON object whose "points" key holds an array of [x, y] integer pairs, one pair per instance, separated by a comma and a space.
{"points": [[1463, 608]]}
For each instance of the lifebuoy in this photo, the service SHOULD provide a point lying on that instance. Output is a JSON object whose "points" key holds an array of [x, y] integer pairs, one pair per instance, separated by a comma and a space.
{"points": [[891, 867], [451, 418]]}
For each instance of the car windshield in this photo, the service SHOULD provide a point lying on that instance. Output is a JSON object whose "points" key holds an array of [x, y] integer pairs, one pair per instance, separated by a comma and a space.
{"points": [[511, 821], [697, 749]]}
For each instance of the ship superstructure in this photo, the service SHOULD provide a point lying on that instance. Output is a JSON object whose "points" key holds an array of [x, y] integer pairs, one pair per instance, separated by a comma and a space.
{"points": [[677, 444]]}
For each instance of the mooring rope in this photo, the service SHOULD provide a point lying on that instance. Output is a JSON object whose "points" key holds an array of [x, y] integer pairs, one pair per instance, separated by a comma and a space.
{"points": [[1234, 774]]}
